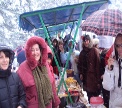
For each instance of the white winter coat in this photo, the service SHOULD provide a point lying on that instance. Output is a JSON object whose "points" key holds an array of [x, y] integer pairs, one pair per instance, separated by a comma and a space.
{"points": [[110, 83]]}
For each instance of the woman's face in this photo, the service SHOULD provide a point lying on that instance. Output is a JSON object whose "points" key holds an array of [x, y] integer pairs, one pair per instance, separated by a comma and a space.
{"points": [[118, 46], [61, 47], [54, 43], [36, 53], [4, 61], [86, 43]]}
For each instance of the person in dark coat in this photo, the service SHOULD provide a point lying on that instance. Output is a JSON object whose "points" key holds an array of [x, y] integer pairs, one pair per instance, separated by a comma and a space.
{"points": [[105, 93], [12, 93], [21, 56], [56, 44], [89, 68]]}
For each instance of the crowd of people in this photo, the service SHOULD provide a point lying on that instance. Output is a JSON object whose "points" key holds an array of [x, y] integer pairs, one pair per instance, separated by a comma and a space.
{"points": [[33, 83]]}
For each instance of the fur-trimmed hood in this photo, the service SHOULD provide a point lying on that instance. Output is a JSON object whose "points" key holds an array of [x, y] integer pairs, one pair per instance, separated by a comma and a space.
{"points": [[90, 44], [29, 58]]}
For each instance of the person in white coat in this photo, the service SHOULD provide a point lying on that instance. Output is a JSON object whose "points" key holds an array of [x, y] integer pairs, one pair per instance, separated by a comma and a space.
{"points": [[112, 78]]}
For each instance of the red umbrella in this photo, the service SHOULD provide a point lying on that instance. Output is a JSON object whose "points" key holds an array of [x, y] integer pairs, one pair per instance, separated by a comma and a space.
{"points": [[104, 22]]}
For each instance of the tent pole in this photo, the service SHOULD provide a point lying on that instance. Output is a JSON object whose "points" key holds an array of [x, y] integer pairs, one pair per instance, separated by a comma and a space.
{"points": [[45, 30]]}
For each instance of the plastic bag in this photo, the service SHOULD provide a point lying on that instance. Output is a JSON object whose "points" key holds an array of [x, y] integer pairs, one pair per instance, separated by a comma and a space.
{"points": [[76, 105]]}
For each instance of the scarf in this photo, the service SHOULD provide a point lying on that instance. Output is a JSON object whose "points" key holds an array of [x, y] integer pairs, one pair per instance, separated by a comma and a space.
{"points": [[43, 85], [5, 73], [119, 79]]}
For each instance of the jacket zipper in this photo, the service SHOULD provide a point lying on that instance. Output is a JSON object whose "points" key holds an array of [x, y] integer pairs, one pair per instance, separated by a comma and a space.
{"points": [[9, 97]]}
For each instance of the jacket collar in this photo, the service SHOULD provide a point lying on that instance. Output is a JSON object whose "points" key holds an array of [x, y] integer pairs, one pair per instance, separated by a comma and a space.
{"points": [[4, 73]]}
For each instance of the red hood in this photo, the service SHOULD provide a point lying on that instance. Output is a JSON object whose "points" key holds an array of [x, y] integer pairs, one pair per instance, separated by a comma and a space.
{"points": [[30, 59]]}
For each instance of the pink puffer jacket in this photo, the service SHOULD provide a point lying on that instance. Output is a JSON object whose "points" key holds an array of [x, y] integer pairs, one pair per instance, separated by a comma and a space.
{"points": [[25, 73]]}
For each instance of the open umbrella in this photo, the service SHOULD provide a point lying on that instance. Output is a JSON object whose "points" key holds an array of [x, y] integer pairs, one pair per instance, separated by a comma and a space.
{"points": [[104, 22]]}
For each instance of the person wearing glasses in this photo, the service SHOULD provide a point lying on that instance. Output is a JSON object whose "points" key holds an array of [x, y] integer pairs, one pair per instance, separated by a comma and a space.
{"points": [[112, 78]]}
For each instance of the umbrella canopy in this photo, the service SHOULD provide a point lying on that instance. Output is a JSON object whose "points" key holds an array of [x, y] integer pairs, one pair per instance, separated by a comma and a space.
{"points": [[104, 22]]}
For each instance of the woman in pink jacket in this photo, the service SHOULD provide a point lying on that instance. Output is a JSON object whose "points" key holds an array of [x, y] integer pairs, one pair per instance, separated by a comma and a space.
{"points": [[36, 76]]}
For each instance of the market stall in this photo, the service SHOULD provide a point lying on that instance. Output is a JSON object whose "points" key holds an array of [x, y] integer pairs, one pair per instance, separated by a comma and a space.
{"points": [[46, 20], [73, 88]]}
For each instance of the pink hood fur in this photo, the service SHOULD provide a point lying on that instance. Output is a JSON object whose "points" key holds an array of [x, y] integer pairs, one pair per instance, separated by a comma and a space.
{"points": [[30, 59]]}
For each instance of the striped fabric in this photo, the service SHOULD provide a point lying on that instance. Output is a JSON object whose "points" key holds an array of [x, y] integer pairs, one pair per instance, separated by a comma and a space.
{"points": [[104, 22]]}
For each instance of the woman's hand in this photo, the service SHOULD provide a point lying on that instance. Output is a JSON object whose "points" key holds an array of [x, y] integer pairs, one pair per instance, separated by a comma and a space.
{"points": [[19, 107], [76, 59], [81, 76], [110, 63], [101, 76], [57, 106]]}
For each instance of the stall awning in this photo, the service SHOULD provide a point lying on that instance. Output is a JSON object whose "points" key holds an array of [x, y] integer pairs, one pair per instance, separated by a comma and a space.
{"points": [[54, 18]]}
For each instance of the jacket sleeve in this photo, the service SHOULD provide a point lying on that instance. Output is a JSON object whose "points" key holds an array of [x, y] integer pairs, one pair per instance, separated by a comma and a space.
{"points": [[22, 96], [108, 79], [56, 100]]}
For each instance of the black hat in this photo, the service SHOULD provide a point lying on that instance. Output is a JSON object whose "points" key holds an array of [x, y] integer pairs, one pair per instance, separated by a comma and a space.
{"points": [[86, 37]]}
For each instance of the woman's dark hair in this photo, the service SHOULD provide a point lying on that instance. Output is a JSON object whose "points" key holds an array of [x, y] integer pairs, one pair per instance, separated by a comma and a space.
{"points": [[50, 56], [55, 40], [40, 47], [86, 37], [7, 54], [116, 52], [60, 42], [10, 54]]}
